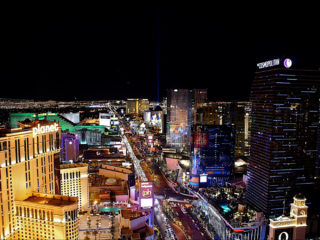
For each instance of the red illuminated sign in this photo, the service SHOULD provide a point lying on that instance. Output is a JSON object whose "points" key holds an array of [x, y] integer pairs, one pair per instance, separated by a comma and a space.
{"points": [[200, 139], [238, 230]]}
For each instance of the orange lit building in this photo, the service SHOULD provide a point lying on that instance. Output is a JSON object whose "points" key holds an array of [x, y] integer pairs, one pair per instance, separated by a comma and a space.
{"points": [[47, 216], [27, 168], [75, 182], [134, 225], [137, 106]]}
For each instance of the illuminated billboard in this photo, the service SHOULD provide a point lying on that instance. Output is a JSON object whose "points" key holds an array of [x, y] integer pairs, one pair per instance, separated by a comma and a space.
{"points": [[154, 119], [150, 139], [105, 119], [146, 193], [203, 178], [177, 133], [194, 181], [199, 139]]}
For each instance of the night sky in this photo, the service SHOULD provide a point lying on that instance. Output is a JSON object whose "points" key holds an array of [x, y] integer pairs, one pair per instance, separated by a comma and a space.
{"points": [[112, 54]]}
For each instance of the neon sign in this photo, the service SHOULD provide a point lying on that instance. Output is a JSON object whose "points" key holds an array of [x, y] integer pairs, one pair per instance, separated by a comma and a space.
{"points": [[146, 195], [287, 63], [269, 63], [283, 236], [45, 129]]}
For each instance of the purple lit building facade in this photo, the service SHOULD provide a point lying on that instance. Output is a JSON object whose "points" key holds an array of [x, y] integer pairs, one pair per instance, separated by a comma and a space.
{"points": [[69, 147], [285, 123], [212, 155]]}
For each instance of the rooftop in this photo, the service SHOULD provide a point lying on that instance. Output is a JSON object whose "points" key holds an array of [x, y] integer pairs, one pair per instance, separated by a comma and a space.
{"points": [[54, 200], [27, 123], [135, 235], [103, 181], [5, 131], [102, 153], [126, 231], [283, 218], [106, 166], [230, 202], [73, 165], [300, 196], [130, 214]]}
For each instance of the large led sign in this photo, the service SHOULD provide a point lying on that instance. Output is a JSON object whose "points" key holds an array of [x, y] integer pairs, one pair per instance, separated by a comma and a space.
{"points": [[269, 63], [146, 195], [45, 129]]}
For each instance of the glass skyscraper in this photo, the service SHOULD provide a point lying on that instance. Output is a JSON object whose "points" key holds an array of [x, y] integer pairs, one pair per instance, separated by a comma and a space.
{"points": [[236, 114], [179, 118], [212, 155], [285, 122]]}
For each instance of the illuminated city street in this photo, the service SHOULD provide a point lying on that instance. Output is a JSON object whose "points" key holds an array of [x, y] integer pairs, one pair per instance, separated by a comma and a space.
{"points": [[160, 123], [161, 188]]}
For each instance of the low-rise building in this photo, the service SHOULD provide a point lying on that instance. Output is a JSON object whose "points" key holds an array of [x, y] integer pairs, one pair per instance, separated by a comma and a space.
{"points": [[134, 224], [69, 147], [229, 216], [293, 226]]}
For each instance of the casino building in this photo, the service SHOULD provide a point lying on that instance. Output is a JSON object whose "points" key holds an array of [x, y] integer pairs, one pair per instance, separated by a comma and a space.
{"points": [[212, 155], [284, 132], [179, 119], [74, 182], [27, 185], [137, 106], [293, 226]]}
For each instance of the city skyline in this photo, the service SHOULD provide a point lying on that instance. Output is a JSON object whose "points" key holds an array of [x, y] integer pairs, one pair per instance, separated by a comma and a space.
{"points": [[160, 123], [117, 53]]}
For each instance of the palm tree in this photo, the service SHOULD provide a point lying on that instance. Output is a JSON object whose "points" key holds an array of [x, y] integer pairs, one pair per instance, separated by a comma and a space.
{"points": [[112, 228], [87, 235], [89, 223], [95, 232]]}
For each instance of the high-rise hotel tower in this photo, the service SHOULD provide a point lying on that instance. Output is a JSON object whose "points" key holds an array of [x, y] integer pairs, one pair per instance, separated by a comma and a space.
{"points": [[179, 118], [28, 204], [74, 182], [285, 122]]}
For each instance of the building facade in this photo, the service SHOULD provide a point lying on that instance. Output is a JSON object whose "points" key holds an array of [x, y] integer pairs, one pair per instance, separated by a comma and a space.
{"points": [[75, 182], [179, 118], [241, 122], [229, 230], [212, 155], [200, 96], [69, 147], [88, 136], [27, 157], [137, 106], [47, 216], [285, 122], [293, 226], [236, 114], [143, 106]]}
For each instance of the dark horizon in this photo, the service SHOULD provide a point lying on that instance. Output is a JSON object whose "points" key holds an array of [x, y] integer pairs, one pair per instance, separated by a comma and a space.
{"points": [[115, 55]]}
